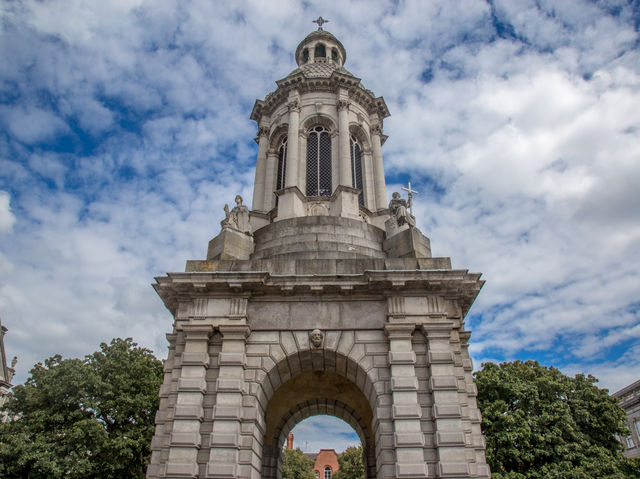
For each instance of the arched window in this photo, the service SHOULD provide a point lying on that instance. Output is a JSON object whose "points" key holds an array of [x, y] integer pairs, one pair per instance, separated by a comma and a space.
{"points": [[305, 55], [282, 164], [320, 51], [334, 54], [327, 472], [317, 474], [356, 167], [319, 162]]}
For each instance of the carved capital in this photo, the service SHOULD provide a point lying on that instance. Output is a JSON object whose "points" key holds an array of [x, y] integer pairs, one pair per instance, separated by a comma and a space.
{"points": [[343, 105], [263, 131], [293, 106], [376, 130]]}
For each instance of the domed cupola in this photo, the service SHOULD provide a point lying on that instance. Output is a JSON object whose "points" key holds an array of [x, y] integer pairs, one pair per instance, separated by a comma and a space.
{"points": [[319, 141], [320, 47]]}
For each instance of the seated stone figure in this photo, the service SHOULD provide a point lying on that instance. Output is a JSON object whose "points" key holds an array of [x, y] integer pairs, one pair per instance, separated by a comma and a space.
{"points": [[398, 208], [237, 218]]}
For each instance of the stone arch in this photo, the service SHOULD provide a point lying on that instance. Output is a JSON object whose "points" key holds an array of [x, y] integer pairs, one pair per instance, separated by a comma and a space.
{"points": [[276, 136], [330, 407], [356, 130], [344, 384], [318, 119]]}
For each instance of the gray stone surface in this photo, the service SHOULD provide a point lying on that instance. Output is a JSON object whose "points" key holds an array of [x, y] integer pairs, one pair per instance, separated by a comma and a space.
{"points": [[393, 360]]}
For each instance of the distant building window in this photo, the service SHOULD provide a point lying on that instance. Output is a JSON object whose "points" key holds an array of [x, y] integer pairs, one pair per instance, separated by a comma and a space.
{"points": [[637, 425], [305, 55], [327, 472], [282, 164], [334, 55], [320, 51], [356, 167], [319, 162], [629, 441]]}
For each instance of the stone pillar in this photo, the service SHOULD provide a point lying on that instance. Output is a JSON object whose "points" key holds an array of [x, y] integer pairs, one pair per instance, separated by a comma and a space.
{"points": [[225, 459], [163, 420], [269, 200], [293, 151], [259, 184], [184, 441], [406, 411], [344, 156], [449, 437], [378, 168]]}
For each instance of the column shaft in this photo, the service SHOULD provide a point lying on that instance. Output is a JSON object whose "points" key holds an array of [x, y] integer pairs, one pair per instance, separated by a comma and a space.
{"points": [[378, 168], [406, 411], [261, 169], [269, 200], [225, 460], [344, 157], [189, 413], [291, 178]]}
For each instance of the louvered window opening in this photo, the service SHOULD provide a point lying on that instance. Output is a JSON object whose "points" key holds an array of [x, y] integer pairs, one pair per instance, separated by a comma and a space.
{"points": [[319, 162], [356, 167], [282, 164]]}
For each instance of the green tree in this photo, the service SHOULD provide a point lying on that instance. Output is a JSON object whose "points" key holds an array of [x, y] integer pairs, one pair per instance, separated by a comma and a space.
{"points": [[350, 464], [540, 423], [296, 465], [78, 418]]}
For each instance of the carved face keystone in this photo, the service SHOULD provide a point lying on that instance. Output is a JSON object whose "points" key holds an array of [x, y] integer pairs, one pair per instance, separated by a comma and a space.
{"points": [[316, 337]]}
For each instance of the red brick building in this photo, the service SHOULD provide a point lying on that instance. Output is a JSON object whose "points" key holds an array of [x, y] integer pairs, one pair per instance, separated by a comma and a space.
{"points": [[326, 461]]}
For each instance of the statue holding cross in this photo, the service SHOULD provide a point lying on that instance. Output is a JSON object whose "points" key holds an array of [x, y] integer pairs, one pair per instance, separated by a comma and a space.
{"points": [[398, 207], [320, 21]]}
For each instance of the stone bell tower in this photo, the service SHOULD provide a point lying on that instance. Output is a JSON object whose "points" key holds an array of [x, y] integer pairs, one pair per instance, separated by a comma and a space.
{"points": [[321, 299]]}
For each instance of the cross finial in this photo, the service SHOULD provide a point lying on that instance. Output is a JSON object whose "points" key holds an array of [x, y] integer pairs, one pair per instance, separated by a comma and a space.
{"points": [[320, 21], [411, 193]]}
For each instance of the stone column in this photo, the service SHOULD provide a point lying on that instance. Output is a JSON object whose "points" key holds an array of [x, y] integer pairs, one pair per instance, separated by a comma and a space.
{"points": [[184, 441], [344, 156], [269, 200], [449, 437], [261, 169], [378, 168], [225, 459], [406, 411], [293, 144]]}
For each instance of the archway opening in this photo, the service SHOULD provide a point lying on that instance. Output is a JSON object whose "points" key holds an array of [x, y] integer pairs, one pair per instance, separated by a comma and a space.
{"points": [[310, 394], [323, 439]]}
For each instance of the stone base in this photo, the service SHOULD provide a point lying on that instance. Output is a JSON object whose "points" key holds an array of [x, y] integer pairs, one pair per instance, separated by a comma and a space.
{"points": [[230, 244], [407, 243]]}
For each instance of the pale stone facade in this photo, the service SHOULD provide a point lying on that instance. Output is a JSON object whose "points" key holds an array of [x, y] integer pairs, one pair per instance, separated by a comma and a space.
{"points": [[6, 370], [327, 304], [629, 398]]}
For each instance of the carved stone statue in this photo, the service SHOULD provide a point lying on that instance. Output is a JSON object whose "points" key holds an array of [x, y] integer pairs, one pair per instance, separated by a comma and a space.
{"points": [[317, 338], [399, 210], [237, 218]]}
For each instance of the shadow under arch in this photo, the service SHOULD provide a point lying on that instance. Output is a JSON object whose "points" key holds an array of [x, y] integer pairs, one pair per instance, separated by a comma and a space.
{"points": [[318, 382]]}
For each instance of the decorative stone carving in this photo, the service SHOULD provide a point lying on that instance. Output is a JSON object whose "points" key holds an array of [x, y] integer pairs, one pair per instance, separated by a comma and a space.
{"points": [[237, 218], [316, 338], [263, 131], [398, 208], [343, 105], [294, 106]]}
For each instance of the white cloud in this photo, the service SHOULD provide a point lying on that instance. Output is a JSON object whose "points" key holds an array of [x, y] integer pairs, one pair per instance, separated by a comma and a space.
{"points": [[524, 148], [7, 218]]}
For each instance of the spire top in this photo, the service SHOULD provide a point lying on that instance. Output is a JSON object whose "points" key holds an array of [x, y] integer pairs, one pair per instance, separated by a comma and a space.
{"points": [[320, 21]]}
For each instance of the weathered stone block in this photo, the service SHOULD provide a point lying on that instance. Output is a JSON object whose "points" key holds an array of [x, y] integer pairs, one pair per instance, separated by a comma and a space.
{"points": [[229, 245]]}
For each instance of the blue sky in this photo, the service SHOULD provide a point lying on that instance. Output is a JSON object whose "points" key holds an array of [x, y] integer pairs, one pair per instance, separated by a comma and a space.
{"points": [[124, 128]]}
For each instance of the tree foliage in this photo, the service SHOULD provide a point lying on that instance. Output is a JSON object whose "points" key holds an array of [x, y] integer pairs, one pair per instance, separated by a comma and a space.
{"points": [[78, 418], [296, 465], [540, 423], [350, 464]]}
